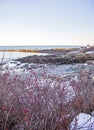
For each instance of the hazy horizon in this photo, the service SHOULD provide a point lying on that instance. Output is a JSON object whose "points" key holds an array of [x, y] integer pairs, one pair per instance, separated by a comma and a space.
{"points": [[46, 22]]}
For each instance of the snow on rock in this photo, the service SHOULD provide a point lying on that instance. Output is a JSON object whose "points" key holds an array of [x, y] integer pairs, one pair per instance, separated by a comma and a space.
{"points": [[70, 93], [89, 52], [6, 56], [82, 121]]}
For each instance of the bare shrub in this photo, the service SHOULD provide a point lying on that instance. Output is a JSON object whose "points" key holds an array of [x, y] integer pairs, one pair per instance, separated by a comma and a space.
{"points": [[84, 88], [31, 102]]}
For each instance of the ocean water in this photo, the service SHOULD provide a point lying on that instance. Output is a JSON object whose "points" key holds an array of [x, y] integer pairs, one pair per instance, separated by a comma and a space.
{"points": [[35, 47]]}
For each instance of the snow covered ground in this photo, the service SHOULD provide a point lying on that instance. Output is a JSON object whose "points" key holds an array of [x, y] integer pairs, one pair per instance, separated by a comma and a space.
{"points": [[14, 55], [8, 61]]}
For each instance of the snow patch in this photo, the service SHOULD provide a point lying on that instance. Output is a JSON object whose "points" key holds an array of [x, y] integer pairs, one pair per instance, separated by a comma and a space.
{"points": [[82, 121]]}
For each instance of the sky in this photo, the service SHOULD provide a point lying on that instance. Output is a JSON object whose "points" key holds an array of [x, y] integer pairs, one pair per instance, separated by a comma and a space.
{"points": [[46, 22]]}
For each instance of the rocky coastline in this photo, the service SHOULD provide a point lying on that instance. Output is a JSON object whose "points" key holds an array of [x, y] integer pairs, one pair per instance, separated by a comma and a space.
{"points": [[61, 56]]}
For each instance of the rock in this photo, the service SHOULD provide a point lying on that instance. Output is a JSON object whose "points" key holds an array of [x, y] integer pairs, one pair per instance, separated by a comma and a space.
{"points": [[58, 59]]}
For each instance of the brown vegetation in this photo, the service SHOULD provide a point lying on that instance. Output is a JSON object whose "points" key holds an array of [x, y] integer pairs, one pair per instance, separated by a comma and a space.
{"points": [[32, 103], [21, 50]]}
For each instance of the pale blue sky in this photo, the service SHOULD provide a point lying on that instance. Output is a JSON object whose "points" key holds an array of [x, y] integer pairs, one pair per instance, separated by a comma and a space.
{"points": [[48, 22]]}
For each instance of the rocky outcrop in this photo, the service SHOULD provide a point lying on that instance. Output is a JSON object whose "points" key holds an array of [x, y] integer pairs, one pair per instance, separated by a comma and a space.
{"points": [[58, 59]]}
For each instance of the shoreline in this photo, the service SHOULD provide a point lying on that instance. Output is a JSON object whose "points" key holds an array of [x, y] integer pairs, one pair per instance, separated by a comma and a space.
{"points": [[56, 56], [61, 56]]}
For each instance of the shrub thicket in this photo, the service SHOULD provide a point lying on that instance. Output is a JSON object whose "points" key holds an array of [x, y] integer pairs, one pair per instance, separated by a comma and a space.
{"points": [[30, 102]]}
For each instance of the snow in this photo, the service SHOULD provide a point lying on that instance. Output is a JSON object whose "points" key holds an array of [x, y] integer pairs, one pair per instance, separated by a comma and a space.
{"points": [[89, 52], [70, 93], [14, 55], [8, 60], [82, 121]]}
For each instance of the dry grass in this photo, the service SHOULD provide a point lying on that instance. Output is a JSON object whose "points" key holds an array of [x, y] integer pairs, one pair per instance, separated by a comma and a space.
{"points": [[21, 50]]}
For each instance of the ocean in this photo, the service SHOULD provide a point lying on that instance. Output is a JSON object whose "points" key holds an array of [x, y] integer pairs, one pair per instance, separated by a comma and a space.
{"points": [[35, 47]]}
